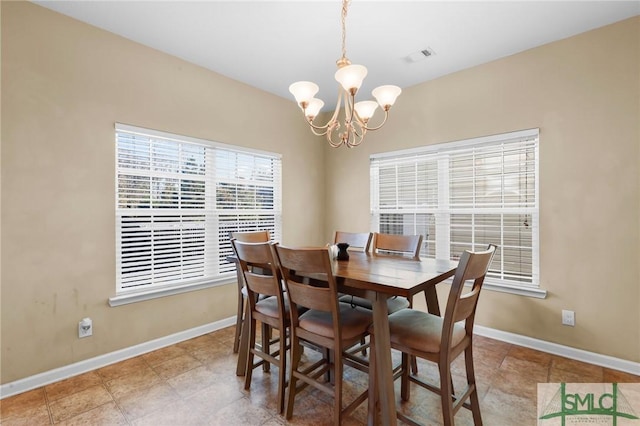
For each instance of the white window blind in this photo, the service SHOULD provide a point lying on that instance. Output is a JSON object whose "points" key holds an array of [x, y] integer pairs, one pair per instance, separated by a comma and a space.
{"points": [[177, 200], [465, 195]]}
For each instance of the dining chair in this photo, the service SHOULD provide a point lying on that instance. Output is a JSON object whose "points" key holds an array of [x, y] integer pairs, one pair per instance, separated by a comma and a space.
{"points": [[395, 245], [328, 324], [262, 278], [401, 245], [360, 241], [441, 339], [246, 237]]}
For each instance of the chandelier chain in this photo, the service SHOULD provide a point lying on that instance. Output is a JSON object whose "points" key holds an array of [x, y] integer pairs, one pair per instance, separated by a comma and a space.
{"points": [[345, 6]]}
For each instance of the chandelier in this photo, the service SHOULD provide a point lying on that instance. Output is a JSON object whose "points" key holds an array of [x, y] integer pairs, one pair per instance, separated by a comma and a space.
{"points": [[356, 114]]}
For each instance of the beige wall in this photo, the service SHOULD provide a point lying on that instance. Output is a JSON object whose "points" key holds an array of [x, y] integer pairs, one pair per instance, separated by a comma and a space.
{"points": [[64, 85], [584, 95]]}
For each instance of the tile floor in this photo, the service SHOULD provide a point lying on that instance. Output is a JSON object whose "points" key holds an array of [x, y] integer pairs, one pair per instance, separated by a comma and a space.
{"points": [[194, 383]]}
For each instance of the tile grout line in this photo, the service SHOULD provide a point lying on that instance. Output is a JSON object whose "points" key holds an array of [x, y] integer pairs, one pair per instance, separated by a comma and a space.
{"points": [[115, 402], [46, 400]]}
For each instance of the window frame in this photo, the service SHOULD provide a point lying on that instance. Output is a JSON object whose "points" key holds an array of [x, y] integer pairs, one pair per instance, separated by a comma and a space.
{"points": [[439, 205], [218, 220]]}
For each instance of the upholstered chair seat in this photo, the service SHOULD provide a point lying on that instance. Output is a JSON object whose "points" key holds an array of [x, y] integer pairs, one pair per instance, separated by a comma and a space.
{"points": [[420, 330]]}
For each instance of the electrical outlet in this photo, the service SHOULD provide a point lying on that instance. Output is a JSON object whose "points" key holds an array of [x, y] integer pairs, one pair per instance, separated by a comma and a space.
{"points": [[85, 328], [568, 318]]}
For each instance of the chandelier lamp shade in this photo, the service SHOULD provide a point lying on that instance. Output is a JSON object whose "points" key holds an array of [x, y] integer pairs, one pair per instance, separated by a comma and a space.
{"points": [[356, 115]]}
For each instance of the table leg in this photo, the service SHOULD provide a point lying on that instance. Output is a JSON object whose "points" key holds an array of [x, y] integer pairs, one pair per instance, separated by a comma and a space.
{"points": [[384, 370], [431, 297]]}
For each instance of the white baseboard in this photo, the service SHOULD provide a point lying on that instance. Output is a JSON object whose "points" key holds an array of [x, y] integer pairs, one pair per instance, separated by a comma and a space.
{"points": [[561, 350], [55, 375]]}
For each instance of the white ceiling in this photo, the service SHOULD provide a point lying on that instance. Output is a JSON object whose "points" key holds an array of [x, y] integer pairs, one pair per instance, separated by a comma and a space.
{"points": [[271, 44]]}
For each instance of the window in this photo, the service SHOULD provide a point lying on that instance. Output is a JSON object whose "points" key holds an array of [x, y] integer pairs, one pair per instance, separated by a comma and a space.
{"points": [[177, 200], [465, 195]]}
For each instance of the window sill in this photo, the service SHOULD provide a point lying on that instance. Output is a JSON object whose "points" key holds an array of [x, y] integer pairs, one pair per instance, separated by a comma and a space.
{"points": [[505, 287], [538, 293], [141, 296]]}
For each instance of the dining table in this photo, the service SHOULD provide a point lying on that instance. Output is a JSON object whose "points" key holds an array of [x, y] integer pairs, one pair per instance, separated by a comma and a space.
{"points": [[378, 277]]}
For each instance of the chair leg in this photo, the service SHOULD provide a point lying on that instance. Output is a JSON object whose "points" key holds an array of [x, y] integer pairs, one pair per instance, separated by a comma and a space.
{"points": [[250, 352], [296, 354], [328, 376], [414, 365], [243, 351], [266, 347], [337, 387], [405, 385], [282, 371], [446, 393], [239, 321], [414, 360], [471, 382]]}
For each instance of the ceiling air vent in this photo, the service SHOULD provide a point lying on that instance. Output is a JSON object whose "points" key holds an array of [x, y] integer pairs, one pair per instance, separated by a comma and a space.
{"points": [[419, 56]]}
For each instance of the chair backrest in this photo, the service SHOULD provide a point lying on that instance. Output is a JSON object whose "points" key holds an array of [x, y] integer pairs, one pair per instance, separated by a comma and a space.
{"points": [[260, 270], [300, 268], [406, 245], [251, 236], [358, 241], [473, 266]]}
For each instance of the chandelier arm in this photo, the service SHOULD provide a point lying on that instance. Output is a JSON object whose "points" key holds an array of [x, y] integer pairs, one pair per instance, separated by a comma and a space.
{"points": [[386, 114], [358, 135], [315, 128], [360, 139], [317, 133], [351, 137], [332, 120], [334, 130], [357, 125], [341, 94], [331, 142], [349, 107], [355, 139], [336, 111]]}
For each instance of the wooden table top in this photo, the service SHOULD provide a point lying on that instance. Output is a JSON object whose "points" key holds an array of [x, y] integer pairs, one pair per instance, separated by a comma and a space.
{"points": [[392, 275]]}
